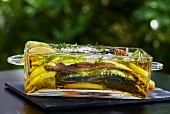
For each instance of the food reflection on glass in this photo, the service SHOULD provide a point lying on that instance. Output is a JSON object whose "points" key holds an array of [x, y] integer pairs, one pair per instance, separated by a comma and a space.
{"points": [[81, 69]]}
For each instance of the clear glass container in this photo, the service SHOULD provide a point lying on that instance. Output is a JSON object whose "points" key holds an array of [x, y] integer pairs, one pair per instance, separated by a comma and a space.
{"points": [[85, 70]]}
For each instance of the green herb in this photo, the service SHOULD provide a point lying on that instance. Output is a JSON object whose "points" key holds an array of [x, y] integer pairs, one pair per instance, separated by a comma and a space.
{"points": [[136, 52], [49, 58], [61, 45], [74, 45]]}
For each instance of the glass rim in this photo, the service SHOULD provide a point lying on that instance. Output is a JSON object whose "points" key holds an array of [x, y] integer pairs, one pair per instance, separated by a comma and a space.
{"points": [[147, 56]]}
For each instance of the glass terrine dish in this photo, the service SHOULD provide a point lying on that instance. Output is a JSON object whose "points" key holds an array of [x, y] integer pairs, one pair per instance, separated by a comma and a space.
{"points": [[85, 70]]}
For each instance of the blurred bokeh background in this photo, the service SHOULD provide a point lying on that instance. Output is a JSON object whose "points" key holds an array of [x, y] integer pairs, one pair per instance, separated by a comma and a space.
{"points": [[132, 23]]}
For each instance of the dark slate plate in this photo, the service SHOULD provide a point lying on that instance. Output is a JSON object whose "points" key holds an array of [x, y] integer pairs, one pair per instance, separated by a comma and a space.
{"points": [[55, 103]]}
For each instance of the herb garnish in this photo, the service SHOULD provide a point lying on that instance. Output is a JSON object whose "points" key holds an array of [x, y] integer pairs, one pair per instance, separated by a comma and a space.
{"points": [[136, 52]]}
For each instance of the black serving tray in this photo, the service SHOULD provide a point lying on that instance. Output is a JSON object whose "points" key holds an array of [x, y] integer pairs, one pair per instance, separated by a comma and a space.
{"points": [[56, 103]]}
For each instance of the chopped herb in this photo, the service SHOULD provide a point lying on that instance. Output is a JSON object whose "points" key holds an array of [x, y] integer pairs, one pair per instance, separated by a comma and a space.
{"points": [[136, 52], [49, 58]]}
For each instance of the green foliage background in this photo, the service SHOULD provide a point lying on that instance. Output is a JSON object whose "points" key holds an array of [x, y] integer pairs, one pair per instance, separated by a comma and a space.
{"points": [[108, 22]]}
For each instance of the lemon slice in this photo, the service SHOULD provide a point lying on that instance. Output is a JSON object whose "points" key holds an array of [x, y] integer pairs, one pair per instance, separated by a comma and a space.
{"points": [[35, 73], [44, 80], [41, 50], [118, 65], [138, 69], [83, 85], [31, 44]]}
